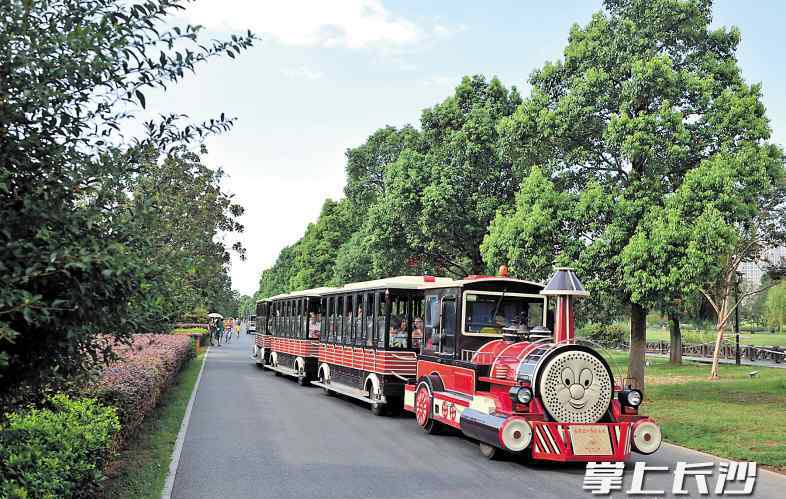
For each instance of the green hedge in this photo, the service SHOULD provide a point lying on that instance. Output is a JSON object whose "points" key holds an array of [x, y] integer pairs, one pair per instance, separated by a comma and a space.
{"points": [[608, 335], [134, 384], [57, 451]]}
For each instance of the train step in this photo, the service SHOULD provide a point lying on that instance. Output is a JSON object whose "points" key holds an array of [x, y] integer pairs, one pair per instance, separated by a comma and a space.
{"points": [[350, 392], [286, 371]]}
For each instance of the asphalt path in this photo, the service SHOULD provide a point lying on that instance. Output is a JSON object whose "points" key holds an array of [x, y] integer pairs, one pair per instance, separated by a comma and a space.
{"points": [[253, 434]]}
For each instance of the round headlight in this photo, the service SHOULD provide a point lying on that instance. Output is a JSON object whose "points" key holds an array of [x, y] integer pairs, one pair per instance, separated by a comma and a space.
{"points": [[634, 398], [524, 395]]}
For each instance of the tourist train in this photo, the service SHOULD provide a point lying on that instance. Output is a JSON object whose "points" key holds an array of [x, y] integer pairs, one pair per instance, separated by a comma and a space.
{"points": [[491, 356]]}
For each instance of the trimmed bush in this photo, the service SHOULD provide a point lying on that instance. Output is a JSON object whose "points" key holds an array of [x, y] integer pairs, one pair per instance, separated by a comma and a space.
{"points": [[57, 451], [134, 384], [607, 335]]}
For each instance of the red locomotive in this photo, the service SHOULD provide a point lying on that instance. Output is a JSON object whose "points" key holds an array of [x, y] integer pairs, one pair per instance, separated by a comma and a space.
{"points": [[475, 354], [506, 382]]}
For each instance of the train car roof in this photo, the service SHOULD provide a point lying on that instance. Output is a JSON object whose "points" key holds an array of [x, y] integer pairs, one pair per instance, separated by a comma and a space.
{"points": [[469, 280], [403, 282], [300, 294], [398, 282]]}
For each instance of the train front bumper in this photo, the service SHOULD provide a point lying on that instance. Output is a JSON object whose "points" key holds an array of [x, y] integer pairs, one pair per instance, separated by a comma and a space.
{"points": [[563, 442]]}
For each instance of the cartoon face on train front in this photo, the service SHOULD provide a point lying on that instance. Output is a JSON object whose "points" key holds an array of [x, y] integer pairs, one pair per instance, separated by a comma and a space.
{"points": [[575, 386]]}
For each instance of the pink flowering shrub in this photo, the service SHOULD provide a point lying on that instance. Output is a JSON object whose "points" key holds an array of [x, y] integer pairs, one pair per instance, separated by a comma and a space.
{"points": [[134, 384]]}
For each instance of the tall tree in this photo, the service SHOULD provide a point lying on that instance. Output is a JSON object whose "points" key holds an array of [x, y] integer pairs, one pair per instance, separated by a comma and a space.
{"points": [[366, 164], [645, 93], [71, 73], [181, 217], [438, 201], [729, 210], [315, 257]]}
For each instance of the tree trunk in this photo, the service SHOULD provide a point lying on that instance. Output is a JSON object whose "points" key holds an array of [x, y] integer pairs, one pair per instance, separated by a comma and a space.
{"points": [[676, 338], [714, 372], [638, 345], [719, 328]]}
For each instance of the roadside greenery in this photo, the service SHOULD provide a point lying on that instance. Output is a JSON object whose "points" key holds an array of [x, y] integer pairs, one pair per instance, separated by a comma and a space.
{"points": [[717, 417], [776, 307], [141, 470], [85, 242], [145, 370], [59, 450]]}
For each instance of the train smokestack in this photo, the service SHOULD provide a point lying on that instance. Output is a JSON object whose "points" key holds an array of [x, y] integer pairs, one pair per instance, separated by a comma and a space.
{"points": [[565, 286]]}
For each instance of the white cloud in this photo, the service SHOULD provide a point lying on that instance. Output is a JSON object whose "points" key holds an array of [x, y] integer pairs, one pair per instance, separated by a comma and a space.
{"points": [[327, 23], [302, 73], [442, 81]]}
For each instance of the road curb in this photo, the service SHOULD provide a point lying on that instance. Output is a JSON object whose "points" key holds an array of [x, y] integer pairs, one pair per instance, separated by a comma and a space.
{"points": [[169, 484], [718, 458]]}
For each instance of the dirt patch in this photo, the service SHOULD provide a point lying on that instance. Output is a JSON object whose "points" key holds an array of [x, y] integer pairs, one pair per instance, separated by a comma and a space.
{"points": [[670, 380]]}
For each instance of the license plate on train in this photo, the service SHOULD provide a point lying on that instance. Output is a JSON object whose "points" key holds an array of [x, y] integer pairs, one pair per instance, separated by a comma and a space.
{"points": [[590, 440]]}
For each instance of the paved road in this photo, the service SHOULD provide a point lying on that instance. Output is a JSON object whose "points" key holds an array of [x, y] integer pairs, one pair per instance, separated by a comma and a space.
{"points": [[253, 434], [728, 362]]}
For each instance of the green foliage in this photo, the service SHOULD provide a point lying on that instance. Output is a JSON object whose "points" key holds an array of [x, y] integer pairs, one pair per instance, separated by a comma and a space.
{"points": [[528, 238], [367, 163], [178, 208], [438, 200], [74, 260], [246, 306], [316, 252], [57, 451], [647, 92], [776, 306], [607, 335]]}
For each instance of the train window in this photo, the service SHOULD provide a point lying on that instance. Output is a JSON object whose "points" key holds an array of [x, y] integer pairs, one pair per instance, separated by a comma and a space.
{"points": [[298, 314], [314, 319], [399, 322], [339, 315], [281, 318], [360, 318], [368, 322], [330, 321], [382, 318], [301, 323], [448, 331], [295, 329], [431, 324], [291, 318], [347, 321], [287, 319], [417, 305]]}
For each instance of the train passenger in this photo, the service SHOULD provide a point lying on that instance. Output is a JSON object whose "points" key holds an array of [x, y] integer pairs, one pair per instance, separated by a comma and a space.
{"points": [[313, 325], [417, 332], [398, 337]]}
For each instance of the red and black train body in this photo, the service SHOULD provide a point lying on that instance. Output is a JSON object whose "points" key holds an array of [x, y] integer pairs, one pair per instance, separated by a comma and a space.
{"points": [[477, 355]]}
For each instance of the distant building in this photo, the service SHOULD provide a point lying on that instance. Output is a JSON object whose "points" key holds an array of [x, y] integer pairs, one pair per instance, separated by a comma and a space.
{"points": [[752, 272]]}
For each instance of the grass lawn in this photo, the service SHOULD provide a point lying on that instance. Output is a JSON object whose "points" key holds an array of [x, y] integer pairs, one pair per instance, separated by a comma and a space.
{"points": [[736, 417], [142, 468], [695, 336]]}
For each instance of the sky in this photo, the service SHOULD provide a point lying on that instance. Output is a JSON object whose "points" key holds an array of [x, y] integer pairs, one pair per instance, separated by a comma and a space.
{"points": [[325, 74]]}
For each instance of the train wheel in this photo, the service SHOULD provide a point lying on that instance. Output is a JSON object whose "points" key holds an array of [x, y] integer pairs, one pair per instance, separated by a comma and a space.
{"points": [[423, 404], [395, 406], [378, 409], [488, 451]]}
